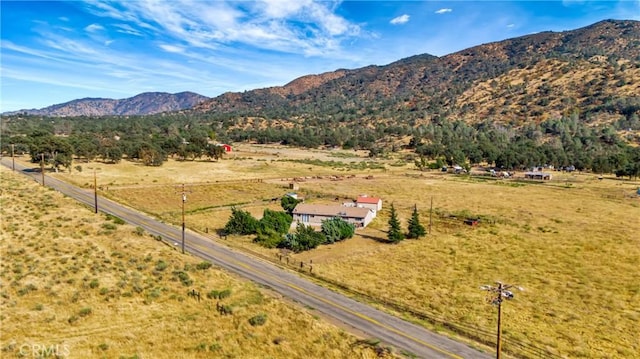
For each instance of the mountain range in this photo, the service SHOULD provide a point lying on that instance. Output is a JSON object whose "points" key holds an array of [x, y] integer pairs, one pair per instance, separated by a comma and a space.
{"points": [[592, 72], [547, 75], [143, 104]]}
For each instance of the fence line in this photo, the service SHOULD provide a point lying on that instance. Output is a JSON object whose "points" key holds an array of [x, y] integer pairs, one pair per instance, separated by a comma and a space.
{"points": [[514, 347]]}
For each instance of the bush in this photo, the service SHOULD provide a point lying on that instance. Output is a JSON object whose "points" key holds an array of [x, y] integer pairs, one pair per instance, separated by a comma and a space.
{"points": [[109, 226], [184, 278], [276, 221], [139, 231], [116, 220], [214, 294], [94, 284], [258, 320], [203, 265], [161, 265], [269, 238], [337, 229], [241, 222], [304, 239]]}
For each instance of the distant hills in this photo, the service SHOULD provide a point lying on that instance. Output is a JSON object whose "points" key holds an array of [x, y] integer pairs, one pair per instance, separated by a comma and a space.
{"points": [[143, 104], [592, 72]]}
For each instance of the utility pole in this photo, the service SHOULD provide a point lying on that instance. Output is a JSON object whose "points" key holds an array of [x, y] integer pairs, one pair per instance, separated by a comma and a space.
{"points": [[13, 160], [499, 292], [184, 199], [95, 190], [42, 166]]}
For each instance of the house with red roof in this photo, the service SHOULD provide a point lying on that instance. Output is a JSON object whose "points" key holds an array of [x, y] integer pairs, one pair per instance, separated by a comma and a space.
{"points": [[314, 214]]}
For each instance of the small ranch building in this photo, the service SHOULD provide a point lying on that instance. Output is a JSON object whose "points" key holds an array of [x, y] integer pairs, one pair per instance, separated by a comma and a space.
{"points": [[537, 175], [373, 203], [314, 214], [227, 148]]}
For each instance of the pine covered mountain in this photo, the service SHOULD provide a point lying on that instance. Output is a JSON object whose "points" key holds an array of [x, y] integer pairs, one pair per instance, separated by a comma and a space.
{"points": [[142, 104], [592, 72]]}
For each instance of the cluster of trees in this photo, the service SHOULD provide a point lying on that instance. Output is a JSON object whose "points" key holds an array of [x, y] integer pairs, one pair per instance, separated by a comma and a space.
{"points": [[415, 230], [567, 141], [272, 230], [59, 141]]}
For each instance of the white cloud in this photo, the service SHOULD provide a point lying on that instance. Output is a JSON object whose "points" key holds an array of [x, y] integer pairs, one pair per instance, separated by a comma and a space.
{"points": [[511, 26], [127, 29], [172, 48], [94, 27], [309, 27], [402, 19], [443, 11]]}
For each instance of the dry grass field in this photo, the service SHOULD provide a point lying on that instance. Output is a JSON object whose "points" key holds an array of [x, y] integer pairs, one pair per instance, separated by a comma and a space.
{"points": [[571, 242], [80, 285]]}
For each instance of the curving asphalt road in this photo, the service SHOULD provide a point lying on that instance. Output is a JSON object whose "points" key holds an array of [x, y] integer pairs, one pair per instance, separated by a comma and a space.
{"points": [[364, 318]]}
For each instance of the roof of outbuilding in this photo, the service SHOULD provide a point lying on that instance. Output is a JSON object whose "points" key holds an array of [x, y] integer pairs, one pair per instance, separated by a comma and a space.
{"points": [[367, 199]]}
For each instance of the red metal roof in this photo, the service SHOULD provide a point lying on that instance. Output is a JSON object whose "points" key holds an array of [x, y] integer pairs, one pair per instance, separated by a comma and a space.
{"points": [[366, 199]]}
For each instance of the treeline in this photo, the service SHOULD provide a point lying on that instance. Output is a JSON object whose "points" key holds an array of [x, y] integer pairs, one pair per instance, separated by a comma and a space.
{"points": [[562, 142], [149, 140]]}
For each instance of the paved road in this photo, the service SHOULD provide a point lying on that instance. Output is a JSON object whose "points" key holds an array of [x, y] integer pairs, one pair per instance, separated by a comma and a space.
{"points": [[364, 318]]}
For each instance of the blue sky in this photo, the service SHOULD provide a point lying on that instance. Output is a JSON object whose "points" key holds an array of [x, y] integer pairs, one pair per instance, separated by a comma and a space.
{"points": [[53, 52]]}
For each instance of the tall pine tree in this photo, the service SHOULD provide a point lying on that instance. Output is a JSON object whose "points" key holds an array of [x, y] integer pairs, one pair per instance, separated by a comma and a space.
{"points": [[416, 230], [395, 234]]}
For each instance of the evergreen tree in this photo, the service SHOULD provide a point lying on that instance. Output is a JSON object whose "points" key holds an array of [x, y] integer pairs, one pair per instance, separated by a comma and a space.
{"points": [[395, 234], [416, 230]]}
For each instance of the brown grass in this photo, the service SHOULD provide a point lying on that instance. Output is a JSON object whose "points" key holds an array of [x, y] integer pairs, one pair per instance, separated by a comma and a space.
{"points": [[94, 288], [571, 242]]}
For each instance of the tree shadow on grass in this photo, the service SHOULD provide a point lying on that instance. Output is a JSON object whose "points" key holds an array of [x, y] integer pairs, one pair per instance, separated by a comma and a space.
{"points": [[375, 238]]}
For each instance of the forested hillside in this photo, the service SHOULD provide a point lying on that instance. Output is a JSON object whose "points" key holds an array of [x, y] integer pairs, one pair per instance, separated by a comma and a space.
{"points": [[561, 99]]}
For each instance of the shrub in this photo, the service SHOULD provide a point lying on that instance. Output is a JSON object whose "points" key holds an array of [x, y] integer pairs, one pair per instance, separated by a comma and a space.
{"points": [[109, 226], [276, 221], [337, 229], [214, 294], [184, 278], [258, 320], [161, 265], [94, 284], [241, 222], [304, 239], [203, 265], [139, 231], [116, 220], [84, 312], [269, 238]]}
